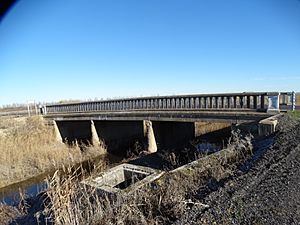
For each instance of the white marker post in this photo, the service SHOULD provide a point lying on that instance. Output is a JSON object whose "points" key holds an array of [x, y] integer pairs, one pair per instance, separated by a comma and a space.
{"points": [[293, 101]]}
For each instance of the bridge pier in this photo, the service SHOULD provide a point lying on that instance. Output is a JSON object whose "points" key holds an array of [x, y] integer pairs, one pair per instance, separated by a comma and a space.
{"points": [[149, 133], [121, 135], [57, 134], [95, 138]]}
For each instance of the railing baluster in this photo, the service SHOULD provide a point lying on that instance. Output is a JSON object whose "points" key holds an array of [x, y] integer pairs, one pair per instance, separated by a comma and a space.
{"points": [[232, 101], [248, 101], [262, 101]]}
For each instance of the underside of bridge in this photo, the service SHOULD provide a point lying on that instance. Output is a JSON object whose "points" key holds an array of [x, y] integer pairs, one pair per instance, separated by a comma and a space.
{"points": [[119, 136]]}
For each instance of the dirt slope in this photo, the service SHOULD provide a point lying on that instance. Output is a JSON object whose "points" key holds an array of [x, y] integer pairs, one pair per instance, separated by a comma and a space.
{"points": [[269, 193]]}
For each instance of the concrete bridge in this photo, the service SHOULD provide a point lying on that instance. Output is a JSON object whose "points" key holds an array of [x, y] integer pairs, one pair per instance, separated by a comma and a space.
{"points": [[161, 121]]}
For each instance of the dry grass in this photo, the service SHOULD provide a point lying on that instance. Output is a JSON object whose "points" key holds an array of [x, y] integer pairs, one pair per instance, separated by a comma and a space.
{"points": [[28, 148], [72, 203], [162, 202]]}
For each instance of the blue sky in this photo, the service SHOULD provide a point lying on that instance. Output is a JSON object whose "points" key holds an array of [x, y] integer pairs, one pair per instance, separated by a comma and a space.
{"points": [[76, 49]]}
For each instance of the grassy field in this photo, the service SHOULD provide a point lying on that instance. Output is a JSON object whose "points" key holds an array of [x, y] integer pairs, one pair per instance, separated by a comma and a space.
{"points": [[28, 148]]}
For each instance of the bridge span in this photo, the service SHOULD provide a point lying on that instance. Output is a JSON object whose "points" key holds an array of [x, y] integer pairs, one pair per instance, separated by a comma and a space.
{"points": [[161, 121]]}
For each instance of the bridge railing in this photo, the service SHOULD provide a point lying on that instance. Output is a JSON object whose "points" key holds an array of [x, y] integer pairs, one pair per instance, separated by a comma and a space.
{"points": [[259, 101]]}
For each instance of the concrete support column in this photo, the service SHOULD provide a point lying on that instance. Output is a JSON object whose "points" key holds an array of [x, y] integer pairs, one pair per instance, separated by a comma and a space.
{"points": [[95, 138], [149, 133], [57, 132]]}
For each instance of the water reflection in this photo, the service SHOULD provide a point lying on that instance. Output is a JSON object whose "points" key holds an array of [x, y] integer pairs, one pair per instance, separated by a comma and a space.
{"points": [[10, 195]]}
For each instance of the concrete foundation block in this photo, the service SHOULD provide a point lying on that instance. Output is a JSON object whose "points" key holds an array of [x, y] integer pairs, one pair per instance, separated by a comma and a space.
{"points": [[123, 179], [268, 126]]}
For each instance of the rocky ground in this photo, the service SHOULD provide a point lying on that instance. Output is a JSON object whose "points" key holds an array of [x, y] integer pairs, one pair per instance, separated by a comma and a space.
{"points": [[266, 193]]}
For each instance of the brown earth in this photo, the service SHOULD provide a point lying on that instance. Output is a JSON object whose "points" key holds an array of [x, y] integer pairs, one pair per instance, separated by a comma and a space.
{"points": [[269, 193]]}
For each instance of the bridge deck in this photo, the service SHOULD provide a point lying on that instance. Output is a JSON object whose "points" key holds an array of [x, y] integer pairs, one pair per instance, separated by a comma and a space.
{"points": [[166, 115]]}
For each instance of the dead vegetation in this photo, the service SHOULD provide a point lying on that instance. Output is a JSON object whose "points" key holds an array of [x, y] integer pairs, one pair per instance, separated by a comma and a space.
{"points": [[162, 202], [28, 148]]}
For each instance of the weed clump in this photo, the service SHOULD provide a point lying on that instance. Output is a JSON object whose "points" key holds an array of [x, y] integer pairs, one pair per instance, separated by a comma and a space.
{"points": [[28, 148]]}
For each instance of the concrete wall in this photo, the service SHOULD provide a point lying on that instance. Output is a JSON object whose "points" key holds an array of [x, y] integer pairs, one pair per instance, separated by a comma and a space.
{"points": [[202, 128]]}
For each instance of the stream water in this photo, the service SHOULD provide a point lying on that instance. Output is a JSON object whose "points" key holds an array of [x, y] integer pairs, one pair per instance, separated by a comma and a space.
{"points": [[11, 194]]}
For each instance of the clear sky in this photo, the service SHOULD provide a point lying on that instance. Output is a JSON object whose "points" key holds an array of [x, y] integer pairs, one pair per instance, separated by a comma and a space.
{"points": [[81, 49]]}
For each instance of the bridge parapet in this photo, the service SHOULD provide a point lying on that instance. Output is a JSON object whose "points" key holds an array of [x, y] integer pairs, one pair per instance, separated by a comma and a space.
{"points": [[258, 101]]}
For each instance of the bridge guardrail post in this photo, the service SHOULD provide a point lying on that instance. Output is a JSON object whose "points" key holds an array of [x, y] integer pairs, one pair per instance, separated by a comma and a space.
{"points": [[293, 100]]}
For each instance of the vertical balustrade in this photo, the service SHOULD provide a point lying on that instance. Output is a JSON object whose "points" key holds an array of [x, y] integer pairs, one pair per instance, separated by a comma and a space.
{"points": [[228, 102], [262, 101], [187, 103], [255, 102], [248, 101], [222, 102], [177, 103], [241, 101], [197, 103], [182, 105], [234, 102], [172, 103], [192, 103], [251, 101]]}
